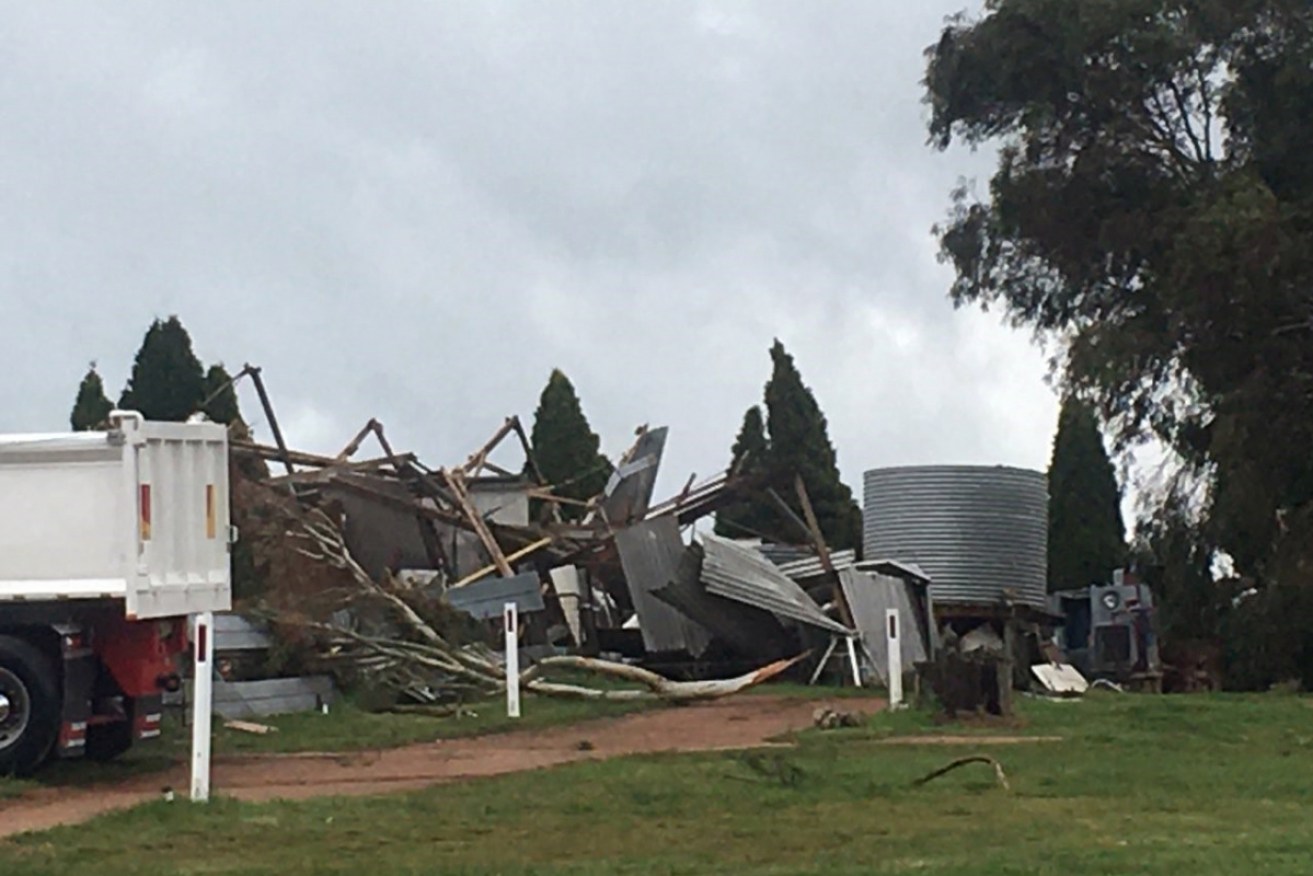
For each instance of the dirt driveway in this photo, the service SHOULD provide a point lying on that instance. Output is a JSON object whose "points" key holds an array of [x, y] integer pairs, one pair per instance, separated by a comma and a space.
{"points": [[737, 722]]}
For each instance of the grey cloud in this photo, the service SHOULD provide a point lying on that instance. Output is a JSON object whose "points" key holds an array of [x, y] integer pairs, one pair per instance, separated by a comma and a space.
{"points": [[414, 211]]}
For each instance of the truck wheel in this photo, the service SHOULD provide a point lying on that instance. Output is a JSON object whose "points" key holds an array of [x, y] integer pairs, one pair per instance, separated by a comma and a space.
{"points": [[29, 707], [108, 741]]}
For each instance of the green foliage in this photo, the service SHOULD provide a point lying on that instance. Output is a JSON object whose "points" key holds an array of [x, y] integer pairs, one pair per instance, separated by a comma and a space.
{"points": [[248, 582], [91, 409], [167, 380], [1153, 209], [800, 444], [1175, 560], [222, 405], [748, 457], [1087, 538], [796, 443], [565, 446]]}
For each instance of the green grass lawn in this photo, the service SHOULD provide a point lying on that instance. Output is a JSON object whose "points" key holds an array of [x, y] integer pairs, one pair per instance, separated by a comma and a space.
{"points": [[1140, 784], [345, 728]]}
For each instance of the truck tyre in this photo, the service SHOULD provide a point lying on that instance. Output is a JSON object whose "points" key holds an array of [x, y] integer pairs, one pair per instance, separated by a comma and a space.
{"points": [[29, 707], [108, 741]]}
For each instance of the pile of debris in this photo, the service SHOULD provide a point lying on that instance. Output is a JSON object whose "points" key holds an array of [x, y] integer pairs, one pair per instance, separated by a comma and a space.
{"points": [[395, 574]]}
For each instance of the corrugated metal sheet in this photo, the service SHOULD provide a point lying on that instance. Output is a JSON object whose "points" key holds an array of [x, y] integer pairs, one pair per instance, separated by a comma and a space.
{"points": [[979, 532], [810, 567], [779, 554], [629, 491], [750, 631], [744, 575], [870, 597], [650, 553], [487, 598]]}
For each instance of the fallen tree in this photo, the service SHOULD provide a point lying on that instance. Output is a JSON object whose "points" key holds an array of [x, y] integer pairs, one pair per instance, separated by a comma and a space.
{"points": [[377, 636]]}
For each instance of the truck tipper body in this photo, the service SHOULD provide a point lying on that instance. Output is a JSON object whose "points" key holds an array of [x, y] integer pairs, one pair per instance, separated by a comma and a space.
{"points": [[108, 541]]}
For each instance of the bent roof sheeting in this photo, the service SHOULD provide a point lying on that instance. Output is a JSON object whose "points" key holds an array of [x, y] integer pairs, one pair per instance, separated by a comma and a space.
{"points": [[744, 575]]}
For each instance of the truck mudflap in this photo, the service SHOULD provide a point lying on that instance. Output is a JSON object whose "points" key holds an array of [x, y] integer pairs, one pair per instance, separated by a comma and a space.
{"points": [[72, 739], [147, 714], [80, 667], [89, 712]]}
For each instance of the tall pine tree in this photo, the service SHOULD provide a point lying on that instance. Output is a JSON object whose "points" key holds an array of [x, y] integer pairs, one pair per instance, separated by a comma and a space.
{"points": [[798, 443], [221, 405], [747, 518], [167, 380], [565, 446], [92, 407], [1087, 538]]}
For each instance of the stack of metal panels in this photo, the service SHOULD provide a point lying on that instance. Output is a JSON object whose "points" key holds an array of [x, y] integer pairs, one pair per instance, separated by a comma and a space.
{"points": [[811, 567], [780, 554]]}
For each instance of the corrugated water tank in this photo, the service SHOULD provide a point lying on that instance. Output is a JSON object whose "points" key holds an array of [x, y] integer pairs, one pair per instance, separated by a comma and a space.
{"points": [[977, 531]]}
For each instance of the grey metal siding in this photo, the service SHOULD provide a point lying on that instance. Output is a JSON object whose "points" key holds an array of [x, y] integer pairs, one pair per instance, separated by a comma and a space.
{"points": [[650, 553], [979, 532]]}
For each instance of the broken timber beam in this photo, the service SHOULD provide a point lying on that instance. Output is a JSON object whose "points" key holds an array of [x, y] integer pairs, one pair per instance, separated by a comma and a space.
{"points": [[264, 451], [456, 483], [510, 558], [479, 458], [254, 373], [822, 550], [325, 474], [354, 444]]}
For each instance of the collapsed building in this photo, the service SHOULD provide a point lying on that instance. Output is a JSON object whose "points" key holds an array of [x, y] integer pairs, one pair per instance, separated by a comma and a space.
{"points": [[958, 554]]}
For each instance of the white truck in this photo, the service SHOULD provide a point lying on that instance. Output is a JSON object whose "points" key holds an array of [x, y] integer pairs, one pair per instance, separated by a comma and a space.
{"points": [[108, 541]]}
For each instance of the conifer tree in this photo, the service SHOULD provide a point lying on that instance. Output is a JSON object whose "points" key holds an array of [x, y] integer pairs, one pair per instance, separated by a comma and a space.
{"points": [[797, 442], [749, 457], [167, 380], [92, 407], [1087, 537], [565, 446], [800, 444], [221, 406]]}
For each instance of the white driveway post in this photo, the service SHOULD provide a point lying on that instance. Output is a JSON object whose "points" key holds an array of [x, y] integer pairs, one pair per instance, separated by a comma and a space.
{"points": [[202, 703], [895, 658], [511, 618]]}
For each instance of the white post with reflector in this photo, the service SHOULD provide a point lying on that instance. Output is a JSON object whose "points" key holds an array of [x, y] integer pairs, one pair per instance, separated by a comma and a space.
{"points": [[895, 658], [511, 619], [202, 703]]}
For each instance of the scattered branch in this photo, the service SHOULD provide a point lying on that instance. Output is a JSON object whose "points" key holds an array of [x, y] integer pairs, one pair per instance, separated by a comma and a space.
{"points": [[963, 761]]}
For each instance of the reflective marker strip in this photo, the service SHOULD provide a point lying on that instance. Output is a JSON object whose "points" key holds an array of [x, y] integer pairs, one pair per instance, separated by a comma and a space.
{"points": [[72, 734], [145, 512], [210, 524]]}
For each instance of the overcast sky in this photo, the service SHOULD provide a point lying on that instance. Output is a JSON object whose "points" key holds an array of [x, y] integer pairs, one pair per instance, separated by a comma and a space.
{"points": [[414, 211]]}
